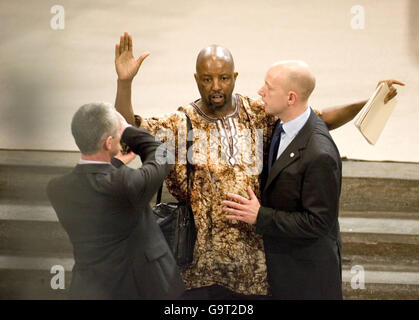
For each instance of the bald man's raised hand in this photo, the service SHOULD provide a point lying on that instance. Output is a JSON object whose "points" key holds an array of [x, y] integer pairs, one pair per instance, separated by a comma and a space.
{"points": [[125, 64]]}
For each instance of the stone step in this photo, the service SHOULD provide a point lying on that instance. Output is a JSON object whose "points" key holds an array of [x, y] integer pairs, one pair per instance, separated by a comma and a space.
{"points": [[31, 262], [379, 214], [24, 236], [381, 292], [393, 247], [27, 184], [380, 263], [27, 212], [375, 194], [30, 278], [17, 284], [383, 277], [379, 225]]}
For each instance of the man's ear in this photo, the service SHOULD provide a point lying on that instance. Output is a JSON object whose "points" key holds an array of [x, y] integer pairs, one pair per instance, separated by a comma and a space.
{"points": [[292, 98], [107, 143], [196, 77], [235, 75]]}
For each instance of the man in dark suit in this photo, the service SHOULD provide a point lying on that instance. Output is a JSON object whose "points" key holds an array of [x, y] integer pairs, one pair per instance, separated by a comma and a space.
{"points": [[298, 215], [119, 250]]}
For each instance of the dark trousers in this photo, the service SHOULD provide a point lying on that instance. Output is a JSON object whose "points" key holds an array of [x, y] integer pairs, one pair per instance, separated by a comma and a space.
{"points": [[217, 292]]}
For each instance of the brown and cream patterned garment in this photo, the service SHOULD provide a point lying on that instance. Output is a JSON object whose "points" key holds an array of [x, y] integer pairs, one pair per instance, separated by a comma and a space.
{"points": [[227, 157]]}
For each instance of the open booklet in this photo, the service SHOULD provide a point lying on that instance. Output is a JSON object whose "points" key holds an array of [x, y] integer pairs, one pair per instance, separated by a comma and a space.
{"points": [[374, 115]]}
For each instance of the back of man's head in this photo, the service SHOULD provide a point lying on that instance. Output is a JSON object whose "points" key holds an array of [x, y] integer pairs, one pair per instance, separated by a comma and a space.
{"points": [[298, 77], [91, 124]]}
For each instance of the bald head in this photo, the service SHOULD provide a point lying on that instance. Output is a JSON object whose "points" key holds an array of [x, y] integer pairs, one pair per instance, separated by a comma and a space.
{"points": [[215, 78], [287, 87], [294, 76], [214, 52]]}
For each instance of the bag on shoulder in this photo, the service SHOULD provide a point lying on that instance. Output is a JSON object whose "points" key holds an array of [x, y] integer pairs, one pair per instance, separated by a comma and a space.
{"points": [[176, 219]]}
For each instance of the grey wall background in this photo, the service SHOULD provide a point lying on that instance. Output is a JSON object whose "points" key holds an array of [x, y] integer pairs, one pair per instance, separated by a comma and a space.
{"points": [[47, 74]]}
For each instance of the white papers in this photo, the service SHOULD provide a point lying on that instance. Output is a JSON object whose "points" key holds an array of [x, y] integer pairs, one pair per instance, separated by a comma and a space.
{"points": [[374, 115]]}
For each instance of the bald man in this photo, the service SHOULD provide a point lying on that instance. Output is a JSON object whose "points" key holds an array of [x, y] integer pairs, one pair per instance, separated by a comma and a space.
{"points": [[231, 140], [298, 214]]}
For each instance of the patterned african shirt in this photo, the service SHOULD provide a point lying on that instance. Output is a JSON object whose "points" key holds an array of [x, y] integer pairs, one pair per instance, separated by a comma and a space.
{"points": [[227, 156]]}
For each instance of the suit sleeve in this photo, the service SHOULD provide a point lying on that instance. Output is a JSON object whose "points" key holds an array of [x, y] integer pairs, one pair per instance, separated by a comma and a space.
{"points": [[320, 204], [141, 184]]}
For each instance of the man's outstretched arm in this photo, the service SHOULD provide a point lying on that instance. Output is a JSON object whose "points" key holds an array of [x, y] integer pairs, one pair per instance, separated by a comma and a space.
{"points": [[126, 67], [334, 117]]}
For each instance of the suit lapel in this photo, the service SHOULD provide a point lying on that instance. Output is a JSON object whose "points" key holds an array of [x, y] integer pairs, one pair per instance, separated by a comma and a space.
{"points": [[293, 152]]}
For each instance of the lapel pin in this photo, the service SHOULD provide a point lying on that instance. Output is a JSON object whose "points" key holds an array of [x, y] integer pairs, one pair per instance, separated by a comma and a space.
{"points": [[292, 154]]}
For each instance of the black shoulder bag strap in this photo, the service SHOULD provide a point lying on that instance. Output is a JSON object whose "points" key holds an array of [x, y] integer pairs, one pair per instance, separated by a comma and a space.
{"points": [[188, 165]]}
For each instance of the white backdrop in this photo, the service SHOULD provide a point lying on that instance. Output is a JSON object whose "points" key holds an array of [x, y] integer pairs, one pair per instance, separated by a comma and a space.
{"points": [[47, 74]]}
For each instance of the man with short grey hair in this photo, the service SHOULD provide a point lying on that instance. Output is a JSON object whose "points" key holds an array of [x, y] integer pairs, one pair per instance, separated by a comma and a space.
{"points": [[91, 124], [103, 205]]}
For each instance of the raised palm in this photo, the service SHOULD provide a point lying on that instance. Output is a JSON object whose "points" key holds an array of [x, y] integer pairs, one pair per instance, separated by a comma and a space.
{"points": [[125, 64]]}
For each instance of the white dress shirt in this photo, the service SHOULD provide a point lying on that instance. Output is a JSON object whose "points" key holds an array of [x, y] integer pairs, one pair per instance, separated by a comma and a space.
{"points": [[291, 129], [91, 162]]}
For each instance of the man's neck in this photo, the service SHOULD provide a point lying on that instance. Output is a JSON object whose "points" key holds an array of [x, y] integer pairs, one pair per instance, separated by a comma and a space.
{"points": [[293, 113], [220, 112], [100, 156]]}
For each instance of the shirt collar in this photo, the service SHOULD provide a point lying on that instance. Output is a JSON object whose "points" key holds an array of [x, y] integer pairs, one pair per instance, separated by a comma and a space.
{"points": [[291, 128], [82, 161]]}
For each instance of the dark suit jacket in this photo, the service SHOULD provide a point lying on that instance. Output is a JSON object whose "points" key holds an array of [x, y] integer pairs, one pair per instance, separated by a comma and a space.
{"points": [[299, 217], [119, 250]]}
